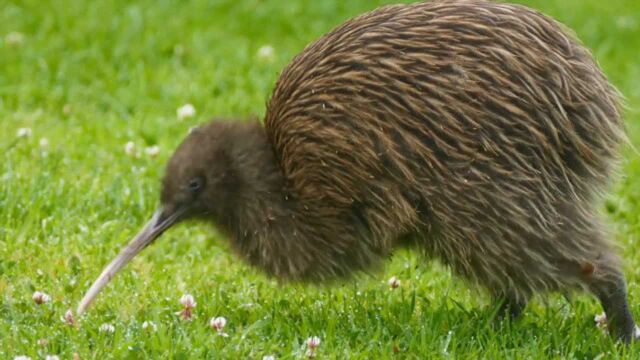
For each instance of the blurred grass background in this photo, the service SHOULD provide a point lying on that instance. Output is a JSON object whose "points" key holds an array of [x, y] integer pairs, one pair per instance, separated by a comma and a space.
{"points": [[91, 76]]}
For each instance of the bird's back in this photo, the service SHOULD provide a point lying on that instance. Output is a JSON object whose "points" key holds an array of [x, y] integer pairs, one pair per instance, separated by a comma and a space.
{"points": [[468, 102]]}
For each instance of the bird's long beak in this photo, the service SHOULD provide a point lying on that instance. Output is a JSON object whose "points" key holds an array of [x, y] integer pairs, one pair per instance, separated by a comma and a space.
{"points": [[161, 221]]}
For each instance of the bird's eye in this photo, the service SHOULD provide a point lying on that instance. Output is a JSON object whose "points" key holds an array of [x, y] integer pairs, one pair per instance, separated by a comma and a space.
{"points": [[195, 185]]}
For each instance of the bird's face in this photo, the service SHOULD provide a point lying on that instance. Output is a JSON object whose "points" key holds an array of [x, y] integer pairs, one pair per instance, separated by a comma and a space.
{"points": [[197, 180], [198, 177]]}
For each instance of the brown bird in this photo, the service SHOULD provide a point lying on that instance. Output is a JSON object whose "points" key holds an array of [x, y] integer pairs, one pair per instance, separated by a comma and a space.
{"points": [[479, 133]]}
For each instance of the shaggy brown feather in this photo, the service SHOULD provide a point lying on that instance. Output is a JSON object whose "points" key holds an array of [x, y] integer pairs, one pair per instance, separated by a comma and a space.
{"points": [[484, 121], [481, 133]]}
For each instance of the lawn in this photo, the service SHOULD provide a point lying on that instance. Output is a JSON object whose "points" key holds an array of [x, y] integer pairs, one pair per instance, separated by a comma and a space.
{"points": [[86, 78]]}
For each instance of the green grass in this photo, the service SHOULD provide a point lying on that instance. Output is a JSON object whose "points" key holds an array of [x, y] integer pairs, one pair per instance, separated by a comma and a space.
{"points": [[91, 76]]}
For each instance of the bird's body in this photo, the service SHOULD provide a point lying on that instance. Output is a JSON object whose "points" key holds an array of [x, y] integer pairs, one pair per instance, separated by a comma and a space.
{"points": [[479, 133], [479, 128]]}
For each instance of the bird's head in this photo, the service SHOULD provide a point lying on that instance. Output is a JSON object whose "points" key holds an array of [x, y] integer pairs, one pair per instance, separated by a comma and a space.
{"points": [[199, 182], [199, 179]]}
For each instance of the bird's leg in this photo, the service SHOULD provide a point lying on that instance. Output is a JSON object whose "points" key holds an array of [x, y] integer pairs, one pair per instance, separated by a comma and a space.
{"points": [[613, 297], [510, 307]]}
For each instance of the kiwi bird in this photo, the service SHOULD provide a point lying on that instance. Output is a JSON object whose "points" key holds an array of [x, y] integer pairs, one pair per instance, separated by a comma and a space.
{"points": [[480, 134]]}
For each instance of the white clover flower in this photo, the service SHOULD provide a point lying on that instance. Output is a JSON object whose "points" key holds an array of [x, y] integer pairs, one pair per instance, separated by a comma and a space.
{"points": [[152, 151], [14, 38], [268, 357], [218, 324], [266, 52], [52, 357], [24, 132], [394, 282], [312, 344], [188, 301], [44, 142], [130, 148], [68, 318], [149, 325], [21, 357], [601, 320], [40, 298], [186, 111], [107, 328]]}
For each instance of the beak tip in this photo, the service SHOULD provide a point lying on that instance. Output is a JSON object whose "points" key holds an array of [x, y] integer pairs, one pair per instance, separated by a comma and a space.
{"points": [[82, 306], [80, 309], [154, 228]]}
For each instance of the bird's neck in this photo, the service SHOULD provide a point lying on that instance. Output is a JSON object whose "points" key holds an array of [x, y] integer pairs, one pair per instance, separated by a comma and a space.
{"points": [[261, 202], [273, 229]]}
